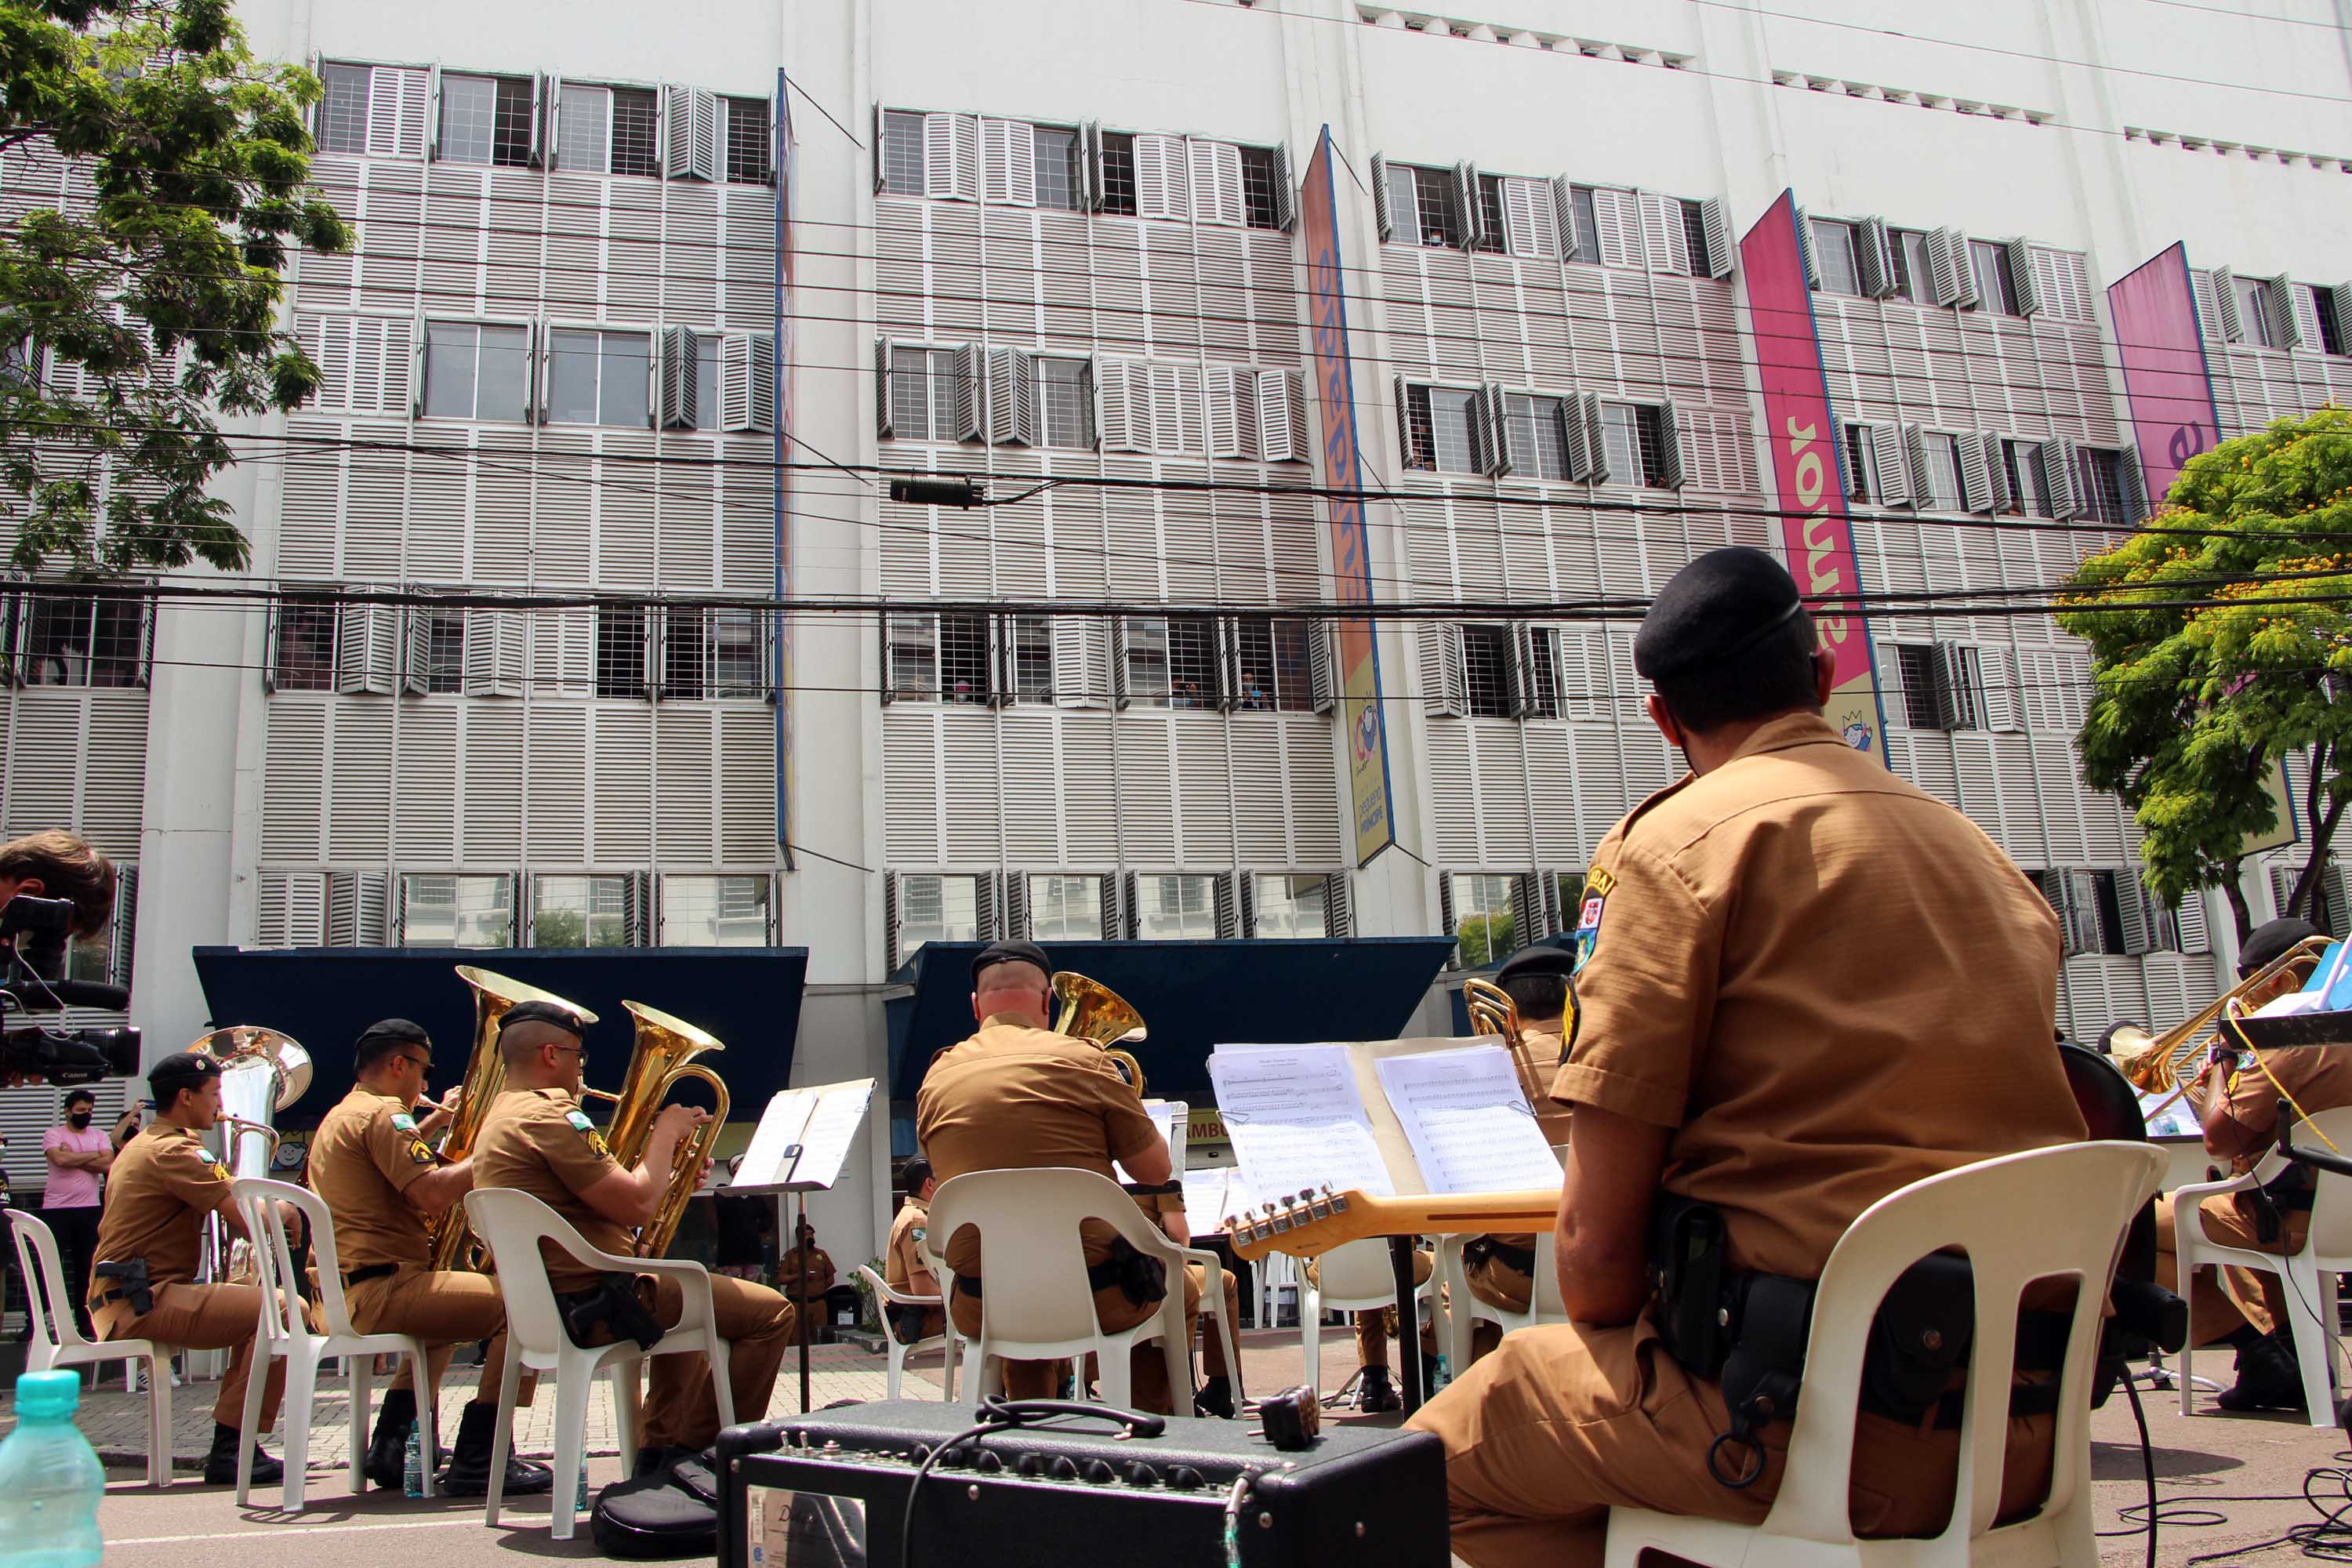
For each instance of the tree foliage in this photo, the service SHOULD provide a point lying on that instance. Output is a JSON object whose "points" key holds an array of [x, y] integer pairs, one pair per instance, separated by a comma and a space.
{"points": [[2193, 705], [143, 306]]}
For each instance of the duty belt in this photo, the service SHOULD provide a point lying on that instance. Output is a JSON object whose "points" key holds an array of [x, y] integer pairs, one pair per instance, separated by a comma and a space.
{"points": [[372, 1271], [1099, 1277], [1521, 1260]]}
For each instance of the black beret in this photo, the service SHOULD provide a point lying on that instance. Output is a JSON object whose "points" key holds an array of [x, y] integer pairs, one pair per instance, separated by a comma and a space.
{"points": [[1530, 961], [395, 1029], [181, 1070], [1718, 606], [1010, 952], [2266, 942], [555, 1013]]}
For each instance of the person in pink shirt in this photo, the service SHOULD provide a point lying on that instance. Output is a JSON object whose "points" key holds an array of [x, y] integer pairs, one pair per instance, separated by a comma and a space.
{"points": [[77, 1155]]}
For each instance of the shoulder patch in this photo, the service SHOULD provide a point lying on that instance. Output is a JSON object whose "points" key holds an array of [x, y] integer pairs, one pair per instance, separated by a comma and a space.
{"points": [[418, 1153], [402, 1123], [579, 1118], [587, 1128], [1597, 888], [918, 1232]]}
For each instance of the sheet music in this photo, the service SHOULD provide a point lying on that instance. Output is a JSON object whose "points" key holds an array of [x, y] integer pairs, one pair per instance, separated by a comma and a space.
{"points": [[1167, 1115], [1213, 1196], [1295, 1119], [1468, 1120], [824, 1120]]}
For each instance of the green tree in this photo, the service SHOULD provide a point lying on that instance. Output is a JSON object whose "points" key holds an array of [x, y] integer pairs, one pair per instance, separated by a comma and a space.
{"points": [[559, 928], [146, 309], [2193, 706], [1485, 939]]}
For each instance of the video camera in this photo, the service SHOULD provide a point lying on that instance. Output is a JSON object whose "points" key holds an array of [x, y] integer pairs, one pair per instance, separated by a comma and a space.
{"points": [[34, 931]]}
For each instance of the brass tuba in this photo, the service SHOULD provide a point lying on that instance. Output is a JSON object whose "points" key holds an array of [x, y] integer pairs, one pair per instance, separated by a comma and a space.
{"points": [[1090, 1010], [2152, 1062], [262, 1073], [661, 1059], [454, 1246]]}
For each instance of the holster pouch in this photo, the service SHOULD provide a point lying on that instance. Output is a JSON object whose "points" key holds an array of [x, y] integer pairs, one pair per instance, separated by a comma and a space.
{"points": [[1141, 1277], [2263, 1209], [1921, 1334], [614, 1304], [131, 1278], [1686, 1248]]}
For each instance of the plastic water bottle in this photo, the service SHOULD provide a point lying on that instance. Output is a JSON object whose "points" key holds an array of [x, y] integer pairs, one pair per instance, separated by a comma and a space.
{"points": [[50, 1480], [411, 1469], [1442, 1376], [580, 1492]]}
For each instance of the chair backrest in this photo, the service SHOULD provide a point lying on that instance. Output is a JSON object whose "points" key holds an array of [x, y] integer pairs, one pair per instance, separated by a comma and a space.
{"points": [[37, 1254], [1036, 1296], [2331, 1205], [512, 1223], [2056, 1213], [1355, 1271], [257, 1201]]}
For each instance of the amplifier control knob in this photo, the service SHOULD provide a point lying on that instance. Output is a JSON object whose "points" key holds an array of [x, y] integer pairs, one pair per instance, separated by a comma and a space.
{"points": [[1027, 1465], [988, 1464], [1099, 1472], [1184, 1478], [919, 1454], [1139, 1474], [953, 1459], [1064, 1468]]}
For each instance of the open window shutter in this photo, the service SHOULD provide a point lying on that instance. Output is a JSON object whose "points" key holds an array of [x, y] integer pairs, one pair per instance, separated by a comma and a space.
{"points": [[1663, 238], [2131, 903], [2134, 484], [1112, 425], [2058, 473], [2278, 310], [494, 656], [1216, 168], [415, 649], [1337, 920], [1915, 455], [1228, 684], [1455, 671], [1805, 249], [1527, 219], [690, 134], [952, 157], [432, 115], [1119, 905], [884, 358], [889, 680], [1596, 447], [366, 648], [1399, 400], [1527, 908], [1490, 430], [996, 390], [1670, 446], [1380, 213], [1162, 176], [1715, 222], [1017, 903], [1091, 177], [121, 947], [881, 166], [1898, 482], [1996, 471], [1118, 698], [2225, 306], [1008, 162], [1322, 664], [1976, 473], [1952, 704], [1522, 671], [1445, 915], [1890, 680], [1001, 682], [1575, 437], [1469, 213], [2022, 283], [1282, 417], [417, 365], [2338, 299], [678, 376], [1021, 367], [747, 381], [1998, 680], [1233, 411], [1873, 258], [1564, 215], [2188, 920], [1949, 279]]}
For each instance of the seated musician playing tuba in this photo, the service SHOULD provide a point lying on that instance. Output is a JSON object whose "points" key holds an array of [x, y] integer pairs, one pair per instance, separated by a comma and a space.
{"points": [[1807, 984]]}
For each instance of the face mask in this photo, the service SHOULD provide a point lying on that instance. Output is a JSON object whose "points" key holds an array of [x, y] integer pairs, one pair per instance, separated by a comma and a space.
{"points": [[80, 1118]]}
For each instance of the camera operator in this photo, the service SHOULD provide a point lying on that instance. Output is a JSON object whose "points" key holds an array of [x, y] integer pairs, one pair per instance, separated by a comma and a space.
{"points": [[69, 889], [55, 864], [78, 1155]]}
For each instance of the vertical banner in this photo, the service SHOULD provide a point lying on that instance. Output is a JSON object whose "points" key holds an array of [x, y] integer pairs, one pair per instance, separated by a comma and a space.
{"points": [[781, 158], [1803, 432], [1358, 671], [2166, 378]]}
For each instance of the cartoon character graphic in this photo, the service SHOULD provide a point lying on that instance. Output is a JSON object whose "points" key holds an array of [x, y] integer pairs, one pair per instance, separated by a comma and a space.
{"points": [[1858, 736]]}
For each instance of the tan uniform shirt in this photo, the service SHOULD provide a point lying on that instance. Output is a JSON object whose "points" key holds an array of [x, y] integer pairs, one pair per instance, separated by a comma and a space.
{"points": [[362, 1157], [1826, 983], [904, 1266], [540, 1142], [2318, 1077], [1013, 1097], [820, 1273], [158, 1192]]}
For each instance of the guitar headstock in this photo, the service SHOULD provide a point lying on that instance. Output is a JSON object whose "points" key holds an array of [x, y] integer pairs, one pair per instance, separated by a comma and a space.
{"points": [[1302, 1224]]}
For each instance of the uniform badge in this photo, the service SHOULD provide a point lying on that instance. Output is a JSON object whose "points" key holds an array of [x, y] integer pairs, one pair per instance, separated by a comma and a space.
{"points": [[418, 1153], [919, 1232], [1597, 888], [587, 1128], [402, 1123]]}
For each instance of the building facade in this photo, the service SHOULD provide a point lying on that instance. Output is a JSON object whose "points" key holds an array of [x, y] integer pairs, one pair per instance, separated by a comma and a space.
{"points": [[627, 330]]}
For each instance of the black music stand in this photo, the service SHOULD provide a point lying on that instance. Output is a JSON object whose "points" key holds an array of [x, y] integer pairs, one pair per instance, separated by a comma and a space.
{"points": [[1409, 1380]]}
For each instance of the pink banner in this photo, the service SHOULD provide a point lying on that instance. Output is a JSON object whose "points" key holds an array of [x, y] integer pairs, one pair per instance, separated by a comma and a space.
{"points": [[1803, 432], [2165, 376]]}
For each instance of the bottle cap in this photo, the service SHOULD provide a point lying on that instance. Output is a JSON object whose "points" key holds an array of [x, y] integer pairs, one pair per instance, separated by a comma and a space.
{"points": [[48, 1396]]}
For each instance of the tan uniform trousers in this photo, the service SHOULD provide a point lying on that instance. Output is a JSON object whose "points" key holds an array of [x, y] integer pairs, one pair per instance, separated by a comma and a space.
{"points": [[1146, 1365], [2241, 1297], [1565, 1421], [205, 1317], [1374, 1328], [445, 1309], [681, 1405]]}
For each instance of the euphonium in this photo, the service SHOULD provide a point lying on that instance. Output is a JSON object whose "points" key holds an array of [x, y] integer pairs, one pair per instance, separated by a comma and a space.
{"points": [[454, 1246], [662, 1059], [2152, 1062], [262, 1073], [1092, 1011], [1493, 1012]]}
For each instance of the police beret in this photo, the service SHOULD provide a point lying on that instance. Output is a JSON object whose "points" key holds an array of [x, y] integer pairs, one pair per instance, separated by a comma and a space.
{"points": [[181, 1070], [1010, 952], [1720, 606], [553, 1012], [395, 1029], [1530, 961], [2265, 943]]}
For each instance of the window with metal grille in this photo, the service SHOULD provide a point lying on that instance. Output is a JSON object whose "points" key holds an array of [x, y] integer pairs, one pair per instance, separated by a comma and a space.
{"points": [[1437, 426], [609, 131], [1271, 666], [924, 384], [937, 908], [1585, 215], [2254, 320], [1538, 450], [902, 154], [1174, 906], [597, 377], [304, 660], [963, 659], [1065, 404], [486, 119], [749, 140], [1118, 174], [1056, 158], [1420, 205], [1922, 673], [1695, 236], [444, 650], [914, 672], [580, 911], [77, 641], [1996, 284], [2101, 472], [1943, 475], [685, 652], [1486, 926], [1147, 662], [1261, 199], [1909, 247], [1192, 661], [1860, 465], [2090, 909], [737, 662], [1486, 668], [1285, 906], [715, 911], [343, 107], [1634, 437], [620, 651], [453, 910], [1542, 695], [1490, 211], [476, 371], [1833, 258], [1065, 909], [1032, 658], [2332, 337], [2029, 487], [1943, 686]]}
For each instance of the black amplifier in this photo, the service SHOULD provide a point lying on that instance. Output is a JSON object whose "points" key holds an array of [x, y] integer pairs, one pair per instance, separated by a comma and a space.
{"points": [[830, 1488]]}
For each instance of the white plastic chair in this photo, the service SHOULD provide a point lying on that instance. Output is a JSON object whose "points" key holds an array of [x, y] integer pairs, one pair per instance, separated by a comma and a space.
{"points": [[1038, 1305], [949, 1343], [512, 1223], [2309, 1276], [1275, 1272], [1357, 1276], [2057, 1212], [283, 1332], [1463, 1310], [57, 1341]]}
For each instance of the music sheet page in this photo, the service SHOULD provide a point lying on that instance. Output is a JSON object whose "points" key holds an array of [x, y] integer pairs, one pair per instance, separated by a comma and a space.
{"points": [[1469, 1122], [1296, 1121], [823, 1119], [1167, 1115]]}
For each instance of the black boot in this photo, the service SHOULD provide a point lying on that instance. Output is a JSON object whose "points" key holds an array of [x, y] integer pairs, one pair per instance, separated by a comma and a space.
{"points": [[468, 1474], [1378, 1395], [1215, 1398], [387, 1454], [220, 1465], [2268, 1378]]}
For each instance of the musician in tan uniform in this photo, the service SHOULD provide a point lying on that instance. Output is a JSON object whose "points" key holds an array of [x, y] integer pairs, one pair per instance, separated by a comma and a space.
{"points": [[159, 1192], [370, 1164], [536, 1138], [804, 1273], [1735, 1047], [905, 1267], [2236, 1099], [1166, 1212], [1017, 1096]]}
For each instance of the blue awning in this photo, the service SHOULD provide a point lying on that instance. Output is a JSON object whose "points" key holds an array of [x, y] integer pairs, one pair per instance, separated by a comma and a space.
{"points": [[1193, 996], [323, 997]]}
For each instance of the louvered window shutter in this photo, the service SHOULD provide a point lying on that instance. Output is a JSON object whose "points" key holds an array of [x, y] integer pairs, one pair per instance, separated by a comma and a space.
{"points": [[891, 924], [1950, 280], [1228, 683], [2134, 485], [1663, 237], [1873, 258], [1898, 484], [432, 116], [1338, 919], [416, 367], [987, 906], [1282, 417], [1021, 367], [367, 648], [676, 379], [1228, 905], [1890, 681], [747, 381], [881, 168], [1217, 183], [2000, 686], [1527, 908], [1976, 473], [2058, 475], [690, 134], [1090, 176], [1596, 449], [1915, 454], [1118, 662], [996, 384], [2225, 306], [1575, 437], [1453, 673], [1001, 682], [1670, 446], [1008, 162], [1385, 219], [969, 381], [1445, 915], [126, 926], [1528, 225], [1805, 249], [1715, 222], [1232, 412], [2024, 285], [885, 356], [1112, 425], [1401, 400], [882, 620], [1286, 190], [2132, 905], [2339, 302], [1996, 470], [1490, 433], [1469, 213], [951, 156], [1322, 662], [1162, 177], [2189, 920], [2278, 310], [1563, 217]]}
